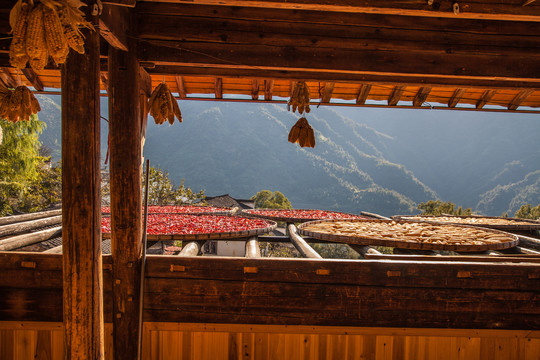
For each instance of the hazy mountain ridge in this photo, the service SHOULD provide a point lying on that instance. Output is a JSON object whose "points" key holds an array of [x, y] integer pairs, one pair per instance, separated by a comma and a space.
{"points": [[375, 160]]}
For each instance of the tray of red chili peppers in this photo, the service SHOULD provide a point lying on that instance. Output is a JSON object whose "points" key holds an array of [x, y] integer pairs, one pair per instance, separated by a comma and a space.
{"points": [[198, 227], [179, 209], [299, 215]]}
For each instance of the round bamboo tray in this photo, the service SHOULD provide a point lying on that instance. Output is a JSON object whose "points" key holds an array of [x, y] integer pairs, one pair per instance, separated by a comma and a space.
{"points": [[180, 209], [414, 243], [203, 231], [491, 222], [299, 215]]}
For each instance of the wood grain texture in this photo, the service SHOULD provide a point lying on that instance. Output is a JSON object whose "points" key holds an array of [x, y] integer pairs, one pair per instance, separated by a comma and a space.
{"points": [[126, 198], [81, 201]]}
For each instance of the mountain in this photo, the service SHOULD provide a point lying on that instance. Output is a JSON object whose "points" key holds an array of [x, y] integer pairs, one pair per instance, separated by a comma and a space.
{"points": [[379, 160]]}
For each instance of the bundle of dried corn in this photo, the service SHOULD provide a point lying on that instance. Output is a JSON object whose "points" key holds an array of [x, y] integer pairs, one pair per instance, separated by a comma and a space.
{"points": [[299, 98], [302, 133], [18, 104], [163, 105], [47, 28]]}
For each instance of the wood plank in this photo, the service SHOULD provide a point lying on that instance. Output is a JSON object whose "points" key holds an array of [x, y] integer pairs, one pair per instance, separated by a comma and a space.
{"points": [[363, 93], [81, 229], [31, 216], [255, 89], [268, 88], [19, 241], [395, 96], [44, 345], [113, 26], [300, 244], [34, 79], [145, 82], [475, 10], [485, 98], [421, 96], [327, 92], [456, 97], [252, 248], [218, 85], [519, 99], [181, 87], [126, 198]]}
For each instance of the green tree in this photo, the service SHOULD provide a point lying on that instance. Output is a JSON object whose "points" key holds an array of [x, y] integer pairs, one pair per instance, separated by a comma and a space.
{"points": [[437, 207], [528, 212], [20, 163], [162, 191], [265, 199]]}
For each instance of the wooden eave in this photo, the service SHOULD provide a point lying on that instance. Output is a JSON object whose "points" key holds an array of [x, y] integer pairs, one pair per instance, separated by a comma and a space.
{"points": [[232, 51]]}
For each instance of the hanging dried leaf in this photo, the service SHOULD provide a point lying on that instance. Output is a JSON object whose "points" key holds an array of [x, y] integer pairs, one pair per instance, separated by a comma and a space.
{"points": [[163, 106], [302, 133], [300, 98], [18, 104]]}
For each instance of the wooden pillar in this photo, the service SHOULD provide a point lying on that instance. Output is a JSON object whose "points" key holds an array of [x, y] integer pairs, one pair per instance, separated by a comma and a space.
{"points": [[81, 203], [126, 197]]}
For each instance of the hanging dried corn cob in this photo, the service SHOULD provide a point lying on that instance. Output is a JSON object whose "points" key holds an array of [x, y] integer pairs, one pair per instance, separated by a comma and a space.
{"points": [[300, 98], [302, 133], [18, 104], [45, 28], [163, 106]]}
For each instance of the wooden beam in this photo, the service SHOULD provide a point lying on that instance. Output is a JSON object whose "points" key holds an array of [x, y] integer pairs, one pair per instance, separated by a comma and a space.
{"points": [[126, 3], [19, 241], [81, 202], [364, 250], [252, 248], [485, 98], [192, 248], [441, 9], [218, 88], [113, 27], [8, 79], [456, 97], [126, 197], [519, 99], [327, 92], [396, 95], [301, 245], [421, 96], [268, 88], [181, 87], [104, 80], [33, 78], [30, 216], [17, 228], [254, 89], [375, 216], [145, 82], [363, 93]]}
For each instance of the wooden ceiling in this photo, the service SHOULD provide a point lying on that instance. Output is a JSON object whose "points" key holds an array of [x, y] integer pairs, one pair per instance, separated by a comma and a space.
{"points": [[476, 54]]}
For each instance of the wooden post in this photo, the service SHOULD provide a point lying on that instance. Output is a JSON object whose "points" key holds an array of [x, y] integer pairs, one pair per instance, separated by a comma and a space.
{"points": [[81, 209], [126, 197]]}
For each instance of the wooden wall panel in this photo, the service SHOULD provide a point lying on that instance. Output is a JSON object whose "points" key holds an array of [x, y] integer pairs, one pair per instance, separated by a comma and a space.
{"points": [[164, 341]]}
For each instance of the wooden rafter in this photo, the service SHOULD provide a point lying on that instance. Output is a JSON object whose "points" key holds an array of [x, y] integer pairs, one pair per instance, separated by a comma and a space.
{"points": [[421, 96], [485, 98], [113, 26], [327, 91], [8, 79], [395, 96], [363, 93], [268, 89], [33, 78], [480, 9], [519, 99], [254, 89], [456, 97], [218, 88], [181, 87]]}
